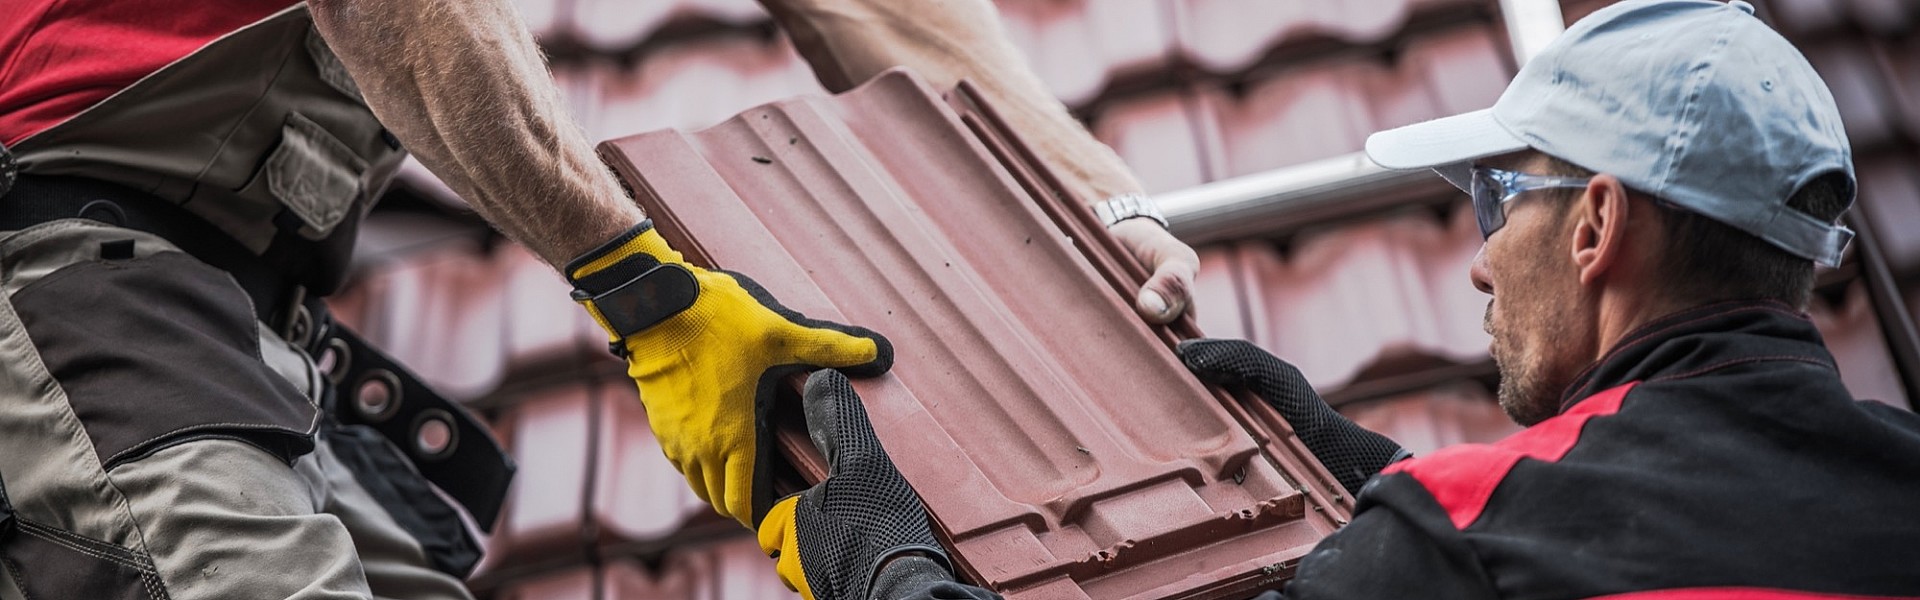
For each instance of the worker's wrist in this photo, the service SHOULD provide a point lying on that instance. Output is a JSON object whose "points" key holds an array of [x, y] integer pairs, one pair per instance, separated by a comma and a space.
{"points": [[623, 257], [901, 575], [632, 283]]}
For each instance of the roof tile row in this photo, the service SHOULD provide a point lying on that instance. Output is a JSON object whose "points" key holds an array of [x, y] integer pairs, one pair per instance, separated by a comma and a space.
{"points": [[1226, 36], [1444, 415], [465, 319], [1078, 47], [727, 570], [592, 482], [1343, 300], [1176, 139]]}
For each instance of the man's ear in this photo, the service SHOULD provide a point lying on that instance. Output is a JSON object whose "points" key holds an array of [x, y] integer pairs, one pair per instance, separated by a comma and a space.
{"points": [[1600, 227]]}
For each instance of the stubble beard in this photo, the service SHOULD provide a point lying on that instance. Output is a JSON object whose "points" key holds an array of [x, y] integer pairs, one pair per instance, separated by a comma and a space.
{"points": [[1526, 394]]}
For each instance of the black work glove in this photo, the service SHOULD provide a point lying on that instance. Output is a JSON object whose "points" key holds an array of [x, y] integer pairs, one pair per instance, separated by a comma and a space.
{"points": [[831, 541], [1352, 453]]}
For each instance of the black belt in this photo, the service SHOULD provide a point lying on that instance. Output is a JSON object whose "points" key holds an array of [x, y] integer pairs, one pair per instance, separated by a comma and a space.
{"points": [[366, 387]]}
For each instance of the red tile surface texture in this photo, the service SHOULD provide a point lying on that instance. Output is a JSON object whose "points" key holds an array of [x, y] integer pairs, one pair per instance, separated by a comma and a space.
{"points": [[1057, 442]]}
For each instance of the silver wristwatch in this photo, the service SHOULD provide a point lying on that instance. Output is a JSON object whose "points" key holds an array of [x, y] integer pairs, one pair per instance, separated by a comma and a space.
{"points": [[1126, 206]]}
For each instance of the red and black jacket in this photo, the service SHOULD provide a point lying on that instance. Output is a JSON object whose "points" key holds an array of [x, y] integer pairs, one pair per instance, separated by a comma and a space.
{"points": [[1712, 454]]}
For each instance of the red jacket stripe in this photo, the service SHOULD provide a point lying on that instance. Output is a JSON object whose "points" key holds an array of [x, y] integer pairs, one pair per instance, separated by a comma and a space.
{"points": [[1738, 593], [1462, 478]]}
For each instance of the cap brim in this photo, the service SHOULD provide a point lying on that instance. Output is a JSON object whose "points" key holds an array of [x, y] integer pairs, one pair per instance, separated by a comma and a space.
{"points": [[1444, 144]]}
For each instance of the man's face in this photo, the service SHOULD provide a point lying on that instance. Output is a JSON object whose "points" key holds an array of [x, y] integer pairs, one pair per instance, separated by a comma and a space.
{"points": [[1538, 317]]}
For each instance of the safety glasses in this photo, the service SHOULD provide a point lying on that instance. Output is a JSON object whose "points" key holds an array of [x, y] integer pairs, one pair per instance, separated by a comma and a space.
{"points": [[1493, 188]]}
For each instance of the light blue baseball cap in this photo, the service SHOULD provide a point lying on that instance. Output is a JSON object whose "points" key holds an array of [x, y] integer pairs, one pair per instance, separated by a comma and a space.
{"points": [[1695, 102]]}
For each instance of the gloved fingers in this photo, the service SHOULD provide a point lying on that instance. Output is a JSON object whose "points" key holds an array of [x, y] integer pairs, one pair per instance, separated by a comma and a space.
{"points": [[836, 421], [779, 539], [1239, 362], [1168, 291], [1219, 361], [858, 351]]}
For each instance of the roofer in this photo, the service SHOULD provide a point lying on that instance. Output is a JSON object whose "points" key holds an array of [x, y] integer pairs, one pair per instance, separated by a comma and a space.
{"points": [[190, 178], [1655, 189]]}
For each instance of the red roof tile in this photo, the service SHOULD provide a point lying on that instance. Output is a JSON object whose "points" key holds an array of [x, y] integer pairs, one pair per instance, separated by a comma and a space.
{"points": [[439, 312], [1854, 335], [735, 569], [545, 18], [1054, 474], [1155, 135], [1218, 303], [573, 584], [542, 326], [1077, 46], [617, 25], [1886, 17], [1427, 420], [1328, 107], [1352, 297], [1866, 103], [1463, 69], [1800, 17], [725, 570], [694, 84], [544, 519], [1230, 35], [628, 579], [1890, 200], [1311, 113], [638, 497], [1900, 66]]}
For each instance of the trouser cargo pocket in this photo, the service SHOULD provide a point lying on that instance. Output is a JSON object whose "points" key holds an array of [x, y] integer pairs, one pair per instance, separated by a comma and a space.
{"points": [[161, 349]]}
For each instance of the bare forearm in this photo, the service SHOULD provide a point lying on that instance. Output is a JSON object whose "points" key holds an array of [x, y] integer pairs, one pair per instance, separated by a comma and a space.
{"points": [[945, 41], [464, 88]]}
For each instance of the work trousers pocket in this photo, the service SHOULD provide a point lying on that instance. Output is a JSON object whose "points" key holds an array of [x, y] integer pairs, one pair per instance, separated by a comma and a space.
{"points": [[158, 350], [45, 562]]}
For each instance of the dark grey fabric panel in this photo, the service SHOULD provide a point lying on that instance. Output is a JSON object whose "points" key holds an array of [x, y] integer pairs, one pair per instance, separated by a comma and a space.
{"points": [[162, 349], [49, 563], [407, 497]]}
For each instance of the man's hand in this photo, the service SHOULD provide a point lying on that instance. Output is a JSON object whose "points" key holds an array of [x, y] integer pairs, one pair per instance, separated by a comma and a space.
{"points": [[1168, 292], [850, 41], [1349, 451], [862, 532], [708, 349]]}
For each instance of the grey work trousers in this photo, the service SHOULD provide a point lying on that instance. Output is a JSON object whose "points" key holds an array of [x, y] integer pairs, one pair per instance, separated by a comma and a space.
{"points": [[157, 441]]}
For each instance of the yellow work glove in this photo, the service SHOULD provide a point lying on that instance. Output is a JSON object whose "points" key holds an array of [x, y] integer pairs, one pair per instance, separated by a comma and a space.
{"points": [[708, 349], [862, 530]]}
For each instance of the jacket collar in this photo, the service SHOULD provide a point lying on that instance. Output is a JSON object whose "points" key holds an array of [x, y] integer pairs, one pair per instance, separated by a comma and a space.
{"points": [[1702, 339]]}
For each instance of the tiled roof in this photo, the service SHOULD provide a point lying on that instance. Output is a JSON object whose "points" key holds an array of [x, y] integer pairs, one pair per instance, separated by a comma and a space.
{"points": [[1376, 310]]}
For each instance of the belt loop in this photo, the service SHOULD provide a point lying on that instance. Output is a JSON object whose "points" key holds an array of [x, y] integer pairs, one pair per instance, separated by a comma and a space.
{"points": [[298, 326], [8, 170]]}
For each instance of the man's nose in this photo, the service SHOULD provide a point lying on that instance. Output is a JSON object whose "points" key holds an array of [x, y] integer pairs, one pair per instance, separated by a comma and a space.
{"points": [[1478, 271]]}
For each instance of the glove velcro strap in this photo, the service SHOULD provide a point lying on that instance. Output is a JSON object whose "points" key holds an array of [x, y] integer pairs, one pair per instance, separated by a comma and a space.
{"points": [[632, 282], [643, 301]]}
